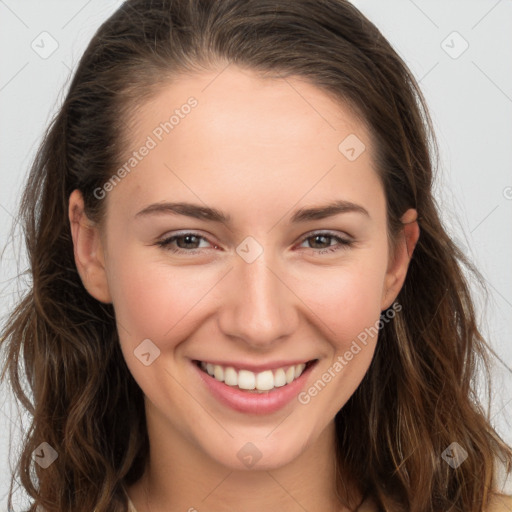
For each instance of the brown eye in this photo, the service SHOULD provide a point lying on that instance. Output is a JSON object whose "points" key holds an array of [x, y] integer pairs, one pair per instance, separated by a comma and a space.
{"points": [[185, 243], [322, 242]]}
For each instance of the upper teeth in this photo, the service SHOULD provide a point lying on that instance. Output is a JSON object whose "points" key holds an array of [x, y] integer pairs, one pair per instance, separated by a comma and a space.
{"points": [[245, 379]]}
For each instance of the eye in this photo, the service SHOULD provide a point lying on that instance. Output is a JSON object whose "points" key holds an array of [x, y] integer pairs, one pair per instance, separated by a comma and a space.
{"points": [[190, 242], [186, 243], [319, 238]]}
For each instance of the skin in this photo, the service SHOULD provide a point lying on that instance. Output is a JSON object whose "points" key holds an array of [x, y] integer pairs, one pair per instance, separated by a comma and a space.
{"points": [[258, 150]]}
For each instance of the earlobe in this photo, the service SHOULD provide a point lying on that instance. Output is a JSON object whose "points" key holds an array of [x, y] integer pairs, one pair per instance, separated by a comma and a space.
{"points": [[88, 250], [399, 263]]}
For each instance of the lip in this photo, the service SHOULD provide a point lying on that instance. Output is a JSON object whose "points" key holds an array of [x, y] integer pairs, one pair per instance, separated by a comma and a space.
{"points": [[254, 403], [256, 368]]}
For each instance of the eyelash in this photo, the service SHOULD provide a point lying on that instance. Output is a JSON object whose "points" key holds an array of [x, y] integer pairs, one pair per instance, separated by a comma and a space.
{"points": [[343, 243]]}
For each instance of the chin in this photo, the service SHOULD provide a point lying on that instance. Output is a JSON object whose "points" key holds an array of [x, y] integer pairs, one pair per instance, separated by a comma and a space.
{"points": [[263, 453]]}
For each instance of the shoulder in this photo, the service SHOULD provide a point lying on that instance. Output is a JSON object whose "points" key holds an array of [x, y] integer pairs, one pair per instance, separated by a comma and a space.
{"points": [[500, 503]]}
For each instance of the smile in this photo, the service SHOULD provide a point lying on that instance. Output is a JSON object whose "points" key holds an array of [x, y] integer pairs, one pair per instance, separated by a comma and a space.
{"points": [[247, 380], [262, 389]]}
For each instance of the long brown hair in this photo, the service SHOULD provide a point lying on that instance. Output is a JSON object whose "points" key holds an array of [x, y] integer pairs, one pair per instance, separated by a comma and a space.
{"points": [[419, 394]]}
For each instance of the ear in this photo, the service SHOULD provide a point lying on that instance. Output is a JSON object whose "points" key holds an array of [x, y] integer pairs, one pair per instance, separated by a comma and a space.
{"points": [[399, 262], [88, 250]]}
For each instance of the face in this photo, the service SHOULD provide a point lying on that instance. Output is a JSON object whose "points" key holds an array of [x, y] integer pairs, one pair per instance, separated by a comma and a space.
{"points": [[244, 277]]}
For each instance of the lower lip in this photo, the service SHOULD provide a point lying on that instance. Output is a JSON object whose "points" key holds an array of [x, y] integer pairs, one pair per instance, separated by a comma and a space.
{"points": [[254, 403]]}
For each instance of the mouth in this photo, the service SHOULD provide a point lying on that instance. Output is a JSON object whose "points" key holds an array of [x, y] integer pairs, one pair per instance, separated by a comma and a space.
{"points": [[265, 381]]}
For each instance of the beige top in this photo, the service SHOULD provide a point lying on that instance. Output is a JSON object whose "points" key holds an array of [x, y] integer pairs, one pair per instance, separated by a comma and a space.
{"points": [[131, 506]]}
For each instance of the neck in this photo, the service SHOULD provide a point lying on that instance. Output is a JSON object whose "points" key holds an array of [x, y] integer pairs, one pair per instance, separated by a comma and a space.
{"points": [[181, 477]]}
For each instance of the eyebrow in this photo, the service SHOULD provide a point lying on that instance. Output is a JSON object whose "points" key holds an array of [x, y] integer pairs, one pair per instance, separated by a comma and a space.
{"points": [[212, 214]]}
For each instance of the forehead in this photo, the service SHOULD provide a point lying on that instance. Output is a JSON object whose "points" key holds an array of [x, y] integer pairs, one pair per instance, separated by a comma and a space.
{"points": [[216, 133], [249, 107]]}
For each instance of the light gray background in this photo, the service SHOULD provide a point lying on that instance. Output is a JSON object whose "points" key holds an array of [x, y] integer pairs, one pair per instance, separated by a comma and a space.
{"points": [[470, 97]]}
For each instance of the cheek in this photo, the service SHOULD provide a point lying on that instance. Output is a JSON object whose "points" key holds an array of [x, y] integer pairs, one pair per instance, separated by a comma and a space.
{"points": [[348, 306], [161, 303], [154, 300], [346, 299]]}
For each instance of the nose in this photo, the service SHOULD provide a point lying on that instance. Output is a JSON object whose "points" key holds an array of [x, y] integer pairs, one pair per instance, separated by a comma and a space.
{"points": [[258, 307]]}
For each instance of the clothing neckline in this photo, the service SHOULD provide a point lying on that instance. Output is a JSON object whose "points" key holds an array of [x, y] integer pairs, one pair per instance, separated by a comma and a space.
{"points": [[131, 506]]}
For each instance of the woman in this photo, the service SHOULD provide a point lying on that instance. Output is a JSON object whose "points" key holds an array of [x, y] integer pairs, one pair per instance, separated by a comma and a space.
{"points": [[243, 296]]}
